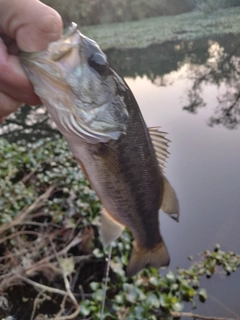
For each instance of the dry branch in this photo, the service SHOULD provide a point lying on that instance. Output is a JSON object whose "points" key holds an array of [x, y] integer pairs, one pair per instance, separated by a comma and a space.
{"points": [[23, 214], [196, 316]]}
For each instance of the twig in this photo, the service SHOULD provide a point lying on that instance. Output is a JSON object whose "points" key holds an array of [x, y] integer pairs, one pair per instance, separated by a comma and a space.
{"points": [[67, 287], [22, 215], [223, 305], [73, 243], [196, 316], [7, 281], [106, 281], [18, 233], [71, 316], [8, 177], [29, 175], [41, 286], [37, 300], [62, 307]]}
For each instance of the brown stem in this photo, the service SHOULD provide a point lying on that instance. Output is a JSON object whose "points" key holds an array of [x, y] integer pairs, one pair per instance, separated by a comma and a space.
{"points": [[196, 316], [22, 215]]}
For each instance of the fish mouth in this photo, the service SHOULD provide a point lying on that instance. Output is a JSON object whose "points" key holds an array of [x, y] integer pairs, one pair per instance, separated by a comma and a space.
{"points": [[55, 58]]}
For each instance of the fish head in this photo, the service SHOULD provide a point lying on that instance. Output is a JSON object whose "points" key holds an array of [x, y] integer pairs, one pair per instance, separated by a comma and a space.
{"points": [[73, 79]]}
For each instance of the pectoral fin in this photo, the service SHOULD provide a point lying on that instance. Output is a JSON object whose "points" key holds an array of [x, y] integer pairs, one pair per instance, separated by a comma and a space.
{"points": [[170, 202], [110, 229]]}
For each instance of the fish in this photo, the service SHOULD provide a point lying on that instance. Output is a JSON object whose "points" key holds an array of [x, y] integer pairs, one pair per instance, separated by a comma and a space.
{"points": [[122, 159]]}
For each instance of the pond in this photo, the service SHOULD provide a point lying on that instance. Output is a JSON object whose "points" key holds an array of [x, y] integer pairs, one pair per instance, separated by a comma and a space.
{"points": [[204, 164], [192, 90]]}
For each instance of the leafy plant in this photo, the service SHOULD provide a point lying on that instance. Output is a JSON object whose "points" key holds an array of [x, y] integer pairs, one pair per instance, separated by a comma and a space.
{"points": [[150, 294], [49, 242]]}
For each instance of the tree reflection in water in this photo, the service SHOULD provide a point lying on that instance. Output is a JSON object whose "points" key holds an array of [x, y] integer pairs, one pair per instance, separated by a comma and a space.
{"points": [[222, 68], [214, 61], [209, 61]]}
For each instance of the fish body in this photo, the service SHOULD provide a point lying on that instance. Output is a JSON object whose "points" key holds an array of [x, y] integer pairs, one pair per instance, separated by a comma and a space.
{"points": [[98, 115]]}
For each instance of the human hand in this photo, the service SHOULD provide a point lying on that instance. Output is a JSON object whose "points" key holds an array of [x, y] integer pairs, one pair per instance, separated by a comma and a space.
{"points": [[26, 25]]}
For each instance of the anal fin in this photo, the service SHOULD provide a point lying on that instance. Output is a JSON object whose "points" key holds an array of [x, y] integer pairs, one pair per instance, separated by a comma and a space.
{"points": [[170, 202], [110, 229]]}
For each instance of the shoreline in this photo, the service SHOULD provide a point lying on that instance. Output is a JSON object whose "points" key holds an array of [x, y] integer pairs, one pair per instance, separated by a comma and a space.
{"points": [[186, 27]]}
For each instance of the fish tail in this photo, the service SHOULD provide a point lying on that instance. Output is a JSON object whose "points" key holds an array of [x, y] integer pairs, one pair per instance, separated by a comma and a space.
{"points": [[156, 257]]}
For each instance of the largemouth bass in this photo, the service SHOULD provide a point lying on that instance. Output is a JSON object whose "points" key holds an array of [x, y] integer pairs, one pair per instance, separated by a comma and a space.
{"points": [[98, 115]]}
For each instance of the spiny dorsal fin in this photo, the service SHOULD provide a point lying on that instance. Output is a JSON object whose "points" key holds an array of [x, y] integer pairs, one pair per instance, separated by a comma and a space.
{"points": [[170, 202], [110, 230], [160, 144]]}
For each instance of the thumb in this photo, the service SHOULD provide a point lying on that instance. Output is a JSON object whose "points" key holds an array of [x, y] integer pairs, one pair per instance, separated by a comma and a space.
{"points": [[30, 22]]}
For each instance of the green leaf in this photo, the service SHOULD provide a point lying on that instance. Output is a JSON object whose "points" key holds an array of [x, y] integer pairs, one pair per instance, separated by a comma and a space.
{"points": [[154, 281], [119, 298], [94, 285], [178, 306], [152, 300], [97, 295], [171, 276], [202, 293], [132, 294], [97, 253], [84, 308], [165, 301], [139, 312]]}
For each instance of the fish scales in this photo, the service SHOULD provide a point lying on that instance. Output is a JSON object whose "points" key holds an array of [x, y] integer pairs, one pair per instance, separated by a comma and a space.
{"points": [[123, 160], [135, 170]]}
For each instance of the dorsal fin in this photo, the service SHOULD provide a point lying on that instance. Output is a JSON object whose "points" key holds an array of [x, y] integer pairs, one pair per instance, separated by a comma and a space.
{"points": [[160, 144]]}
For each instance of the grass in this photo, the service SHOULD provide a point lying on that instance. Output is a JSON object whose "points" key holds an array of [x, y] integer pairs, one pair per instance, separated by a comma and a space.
{"points": [[188, 26]]}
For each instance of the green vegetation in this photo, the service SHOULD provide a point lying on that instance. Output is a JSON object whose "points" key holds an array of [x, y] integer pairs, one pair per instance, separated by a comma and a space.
{"points": [[151, 295], [52, 257], [92, 12], [185, 27], [208, 6]]}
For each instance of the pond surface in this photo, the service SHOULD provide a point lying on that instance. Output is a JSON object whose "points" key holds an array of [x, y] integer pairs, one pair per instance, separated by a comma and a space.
{"points": [[191, 90], [204, 164]]}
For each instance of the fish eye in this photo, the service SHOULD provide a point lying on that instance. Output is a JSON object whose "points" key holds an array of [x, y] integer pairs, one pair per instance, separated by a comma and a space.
{"points": [[98, 62]]}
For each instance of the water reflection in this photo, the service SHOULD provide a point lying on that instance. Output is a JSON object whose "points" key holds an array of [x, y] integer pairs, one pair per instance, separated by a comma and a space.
{"points": [[201, 63], [209, 61], [223, 70]]}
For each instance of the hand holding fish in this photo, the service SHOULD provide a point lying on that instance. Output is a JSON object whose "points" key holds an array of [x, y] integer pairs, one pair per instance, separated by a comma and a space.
{"points": [[27, 25]]}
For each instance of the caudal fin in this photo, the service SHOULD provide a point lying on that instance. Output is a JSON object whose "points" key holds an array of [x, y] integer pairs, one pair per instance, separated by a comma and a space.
{"points": [[141, 257]]}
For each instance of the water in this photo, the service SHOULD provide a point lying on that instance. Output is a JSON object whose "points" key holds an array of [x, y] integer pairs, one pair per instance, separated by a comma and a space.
{"points": [[204, 168], [192, 91]]}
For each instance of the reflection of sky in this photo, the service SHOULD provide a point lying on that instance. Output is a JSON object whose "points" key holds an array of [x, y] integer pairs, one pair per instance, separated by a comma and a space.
{"points": [[204, 169]]}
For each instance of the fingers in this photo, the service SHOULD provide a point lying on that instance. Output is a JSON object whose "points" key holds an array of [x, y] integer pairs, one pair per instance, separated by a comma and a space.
{"points": [[27, 25], [7, 106], [13, 80], [30, 22]]}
